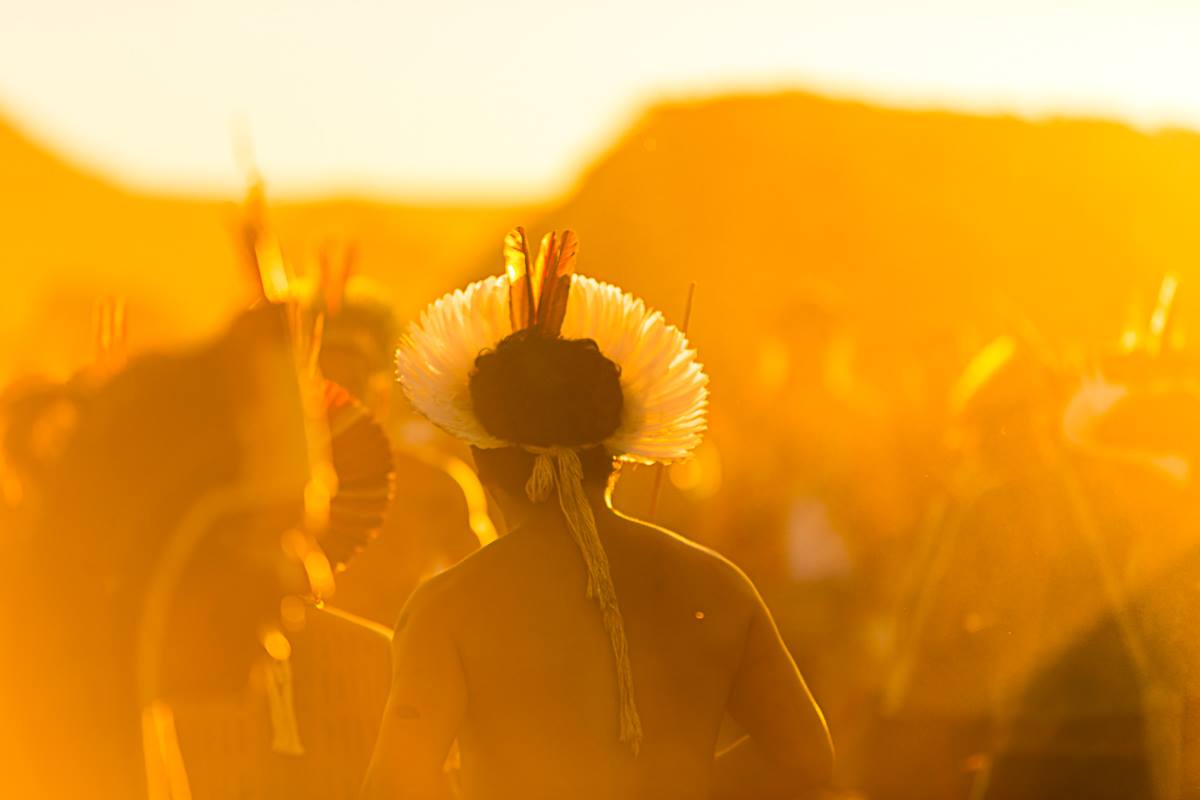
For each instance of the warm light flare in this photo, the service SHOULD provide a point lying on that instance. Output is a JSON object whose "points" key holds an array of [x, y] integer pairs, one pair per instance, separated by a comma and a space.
{"points": [[293, 612], [166, 775], [111, 332], [986, 363], [1164, 310], [298, 545], [318, 494], [481, 524], [774, 364], [320, 574], [699, 476], [276, 644]]}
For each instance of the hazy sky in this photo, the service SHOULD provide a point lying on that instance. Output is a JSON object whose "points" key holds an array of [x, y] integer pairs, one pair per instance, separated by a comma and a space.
{"points": [[509, 99]]}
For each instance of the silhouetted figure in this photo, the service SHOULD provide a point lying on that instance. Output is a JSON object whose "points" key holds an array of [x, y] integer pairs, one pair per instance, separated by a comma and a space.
{"points": [[154, 564], [584, 654]]}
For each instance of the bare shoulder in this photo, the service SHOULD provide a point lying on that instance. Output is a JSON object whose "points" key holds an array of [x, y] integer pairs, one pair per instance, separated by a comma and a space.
{"points": [[682, 559], [444, 597], [431, 605]]}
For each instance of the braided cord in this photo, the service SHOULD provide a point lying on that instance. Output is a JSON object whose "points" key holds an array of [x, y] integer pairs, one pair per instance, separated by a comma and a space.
{"points": [[560, 467]]}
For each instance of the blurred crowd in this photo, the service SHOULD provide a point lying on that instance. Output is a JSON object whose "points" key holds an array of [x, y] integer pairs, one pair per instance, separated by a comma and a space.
{"points": [[982, 557]]}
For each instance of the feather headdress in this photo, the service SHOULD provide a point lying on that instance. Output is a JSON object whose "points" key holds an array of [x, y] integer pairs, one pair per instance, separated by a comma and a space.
{"points": [[664, 389]]}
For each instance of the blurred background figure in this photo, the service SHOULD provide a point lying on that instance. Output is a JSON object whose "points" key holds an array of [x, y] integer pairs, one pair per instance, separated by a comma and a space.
{"points": [[306, 727], [958, 640], [305, 723], [154, 564]]}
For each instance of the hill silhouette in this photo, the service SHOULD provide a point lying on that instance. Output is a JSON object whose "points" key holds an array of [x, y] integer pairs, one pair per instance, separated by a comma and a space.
{"points": [[915, 224]]}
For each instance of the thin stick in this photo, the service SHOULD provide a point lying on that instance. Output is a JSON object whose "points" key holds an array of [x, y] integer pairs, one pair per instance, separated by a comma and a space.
{"points": [[111, 333], [687, 310], [660, 469]]}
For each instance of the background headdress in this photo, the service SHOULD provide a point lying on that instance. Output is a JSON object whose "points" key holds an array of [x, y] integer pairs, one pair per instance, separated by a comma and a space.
{"points": [[664, 390]]}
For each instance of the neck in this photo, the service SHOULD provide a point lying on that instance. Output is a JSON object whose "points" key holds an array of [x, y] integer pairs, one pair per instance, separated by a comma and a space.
{"points": [[524, 514]]}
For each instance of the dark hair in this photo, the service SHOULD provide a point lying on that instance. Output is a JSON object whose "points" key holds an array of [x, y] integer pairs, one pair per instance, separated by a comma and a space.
{"points": [[544, 391]]}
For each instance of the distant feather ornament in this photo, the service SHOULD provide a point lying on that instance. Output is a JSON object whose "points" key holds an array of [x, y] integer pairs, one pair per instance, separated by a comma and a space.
{"points": [[664, 391], [362, 458]]}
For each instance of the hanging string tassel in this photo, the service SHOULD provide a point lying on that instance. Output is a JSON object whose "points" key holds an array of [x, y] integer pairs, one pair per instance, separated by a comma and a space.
{"points": [[281, 703], [560, 467]]}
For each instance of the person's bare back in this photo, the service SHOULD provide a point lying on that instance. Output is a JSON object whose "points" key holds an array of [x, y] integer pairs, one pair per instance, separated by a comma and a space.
{"points": [[505, 653], [585, 655]]}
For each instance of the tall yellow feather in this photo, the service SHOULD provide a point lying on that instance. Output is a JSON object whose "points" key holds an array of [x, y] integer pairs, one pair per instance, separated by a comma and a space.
{"points": [[521, 306]]}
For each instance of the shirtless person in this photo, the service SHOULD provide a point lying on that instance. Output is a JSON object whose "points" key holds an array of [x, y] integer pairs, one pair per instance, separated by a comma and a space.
{"points": [[548, 695]]}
